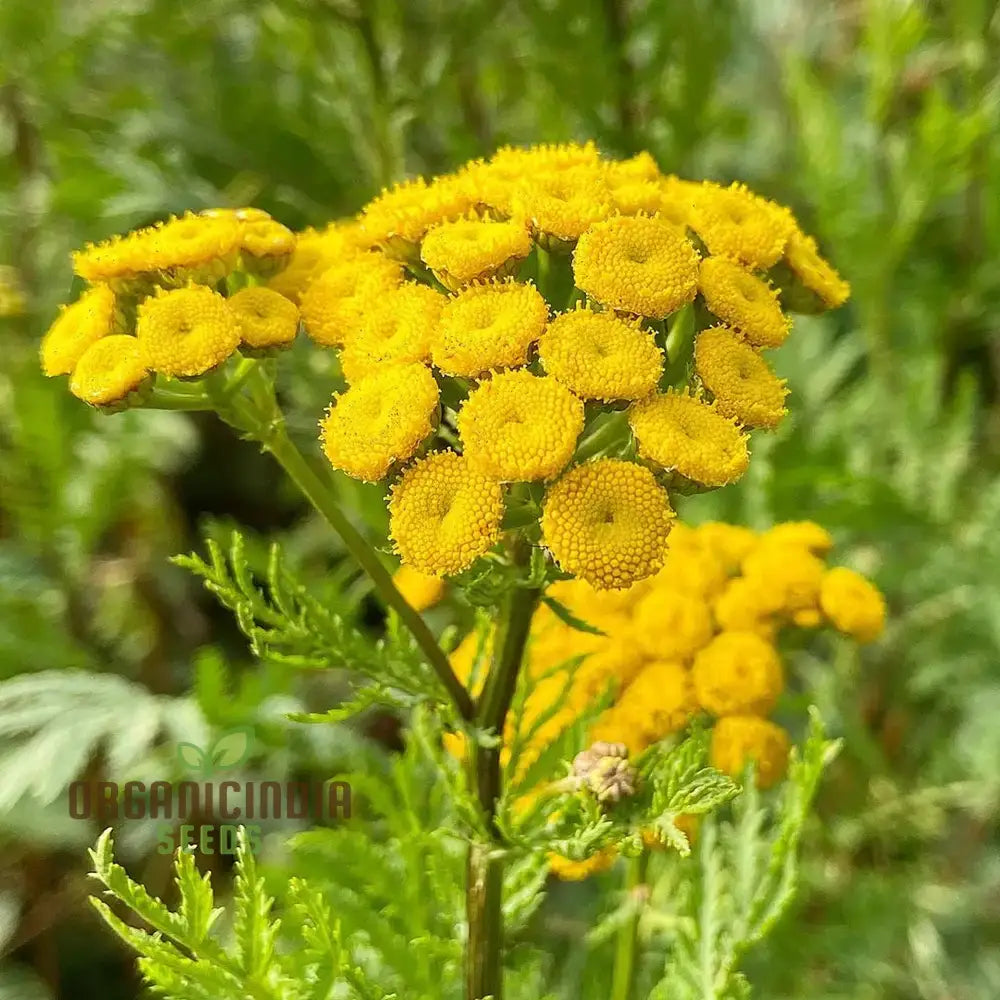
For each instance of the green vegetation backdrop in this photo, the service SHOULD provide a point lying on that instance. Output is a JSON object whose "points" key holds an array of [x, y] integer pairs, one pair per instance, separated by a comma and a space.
{"points": [[877, 121]]}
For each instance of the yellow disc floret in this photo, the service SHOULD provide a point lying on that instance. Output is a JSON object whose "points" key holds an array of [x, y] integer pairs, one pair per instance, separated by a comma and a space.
{"points": [[814, 272], [853, 604], [380, 420], [738, 739], [672, 624], [266, 318], [519, 427], [474, 250], [396, 328], [186, 332], [739, 379], [733, 222], [738, 673], [488, 326], [607, 521], [600, 356], [560, 205], [443, 516], [334, 305], [658, 702], [76, 327], [685, 434], [806, 534], [743, 302], [639, 265], [314, 253], [108, 371]]}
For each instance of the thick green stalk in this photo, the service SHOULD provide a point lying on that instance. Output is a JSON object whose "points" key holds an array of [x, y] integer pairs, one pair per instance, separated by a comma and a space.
{"points": [[626, 947], [484, 889]]}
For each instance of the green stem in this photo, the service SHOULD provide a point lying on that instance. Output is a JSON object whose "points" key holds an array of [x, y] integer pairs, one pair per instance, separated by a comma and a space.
{"points": [[163, 399], [484, 889], [612, 430], [628, 934]]}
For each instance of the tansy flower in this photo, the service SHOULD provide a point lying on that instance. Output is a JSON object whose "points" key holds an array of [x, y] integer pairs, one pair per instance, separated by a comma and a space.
{"points": [[733, 222], [672, 624], [186, 332], [600, 356], [805, 534], [267, 245], [399, 217], [380, 420], [730, 542], [739, 379], [638, 265], [421, 590], [737, 673], [603, 608], [743, 606], [853, 604], [692, 565], [576, 871], [314, 253], [680, 432], [488, 326], [607, 521], [474, 249], [743, 302], [396, 328], [814, 272], [77, 327], [560, 205], [738, 739], [519, 427], [108, 370], [335, 303], [442, 515], [266, 318], [677, 200], [659, 701], [791, 575]]}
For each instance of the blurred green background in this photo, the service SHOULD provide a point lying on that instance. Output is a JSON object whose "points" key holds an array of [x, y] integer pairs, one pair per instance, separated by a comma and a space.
{"points": [[877, 121]]}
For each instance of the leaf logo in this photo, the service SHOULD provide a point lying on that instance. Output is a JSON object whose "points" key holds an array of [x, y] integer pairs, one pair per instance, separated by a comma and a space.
{"points": [[228, 751]]}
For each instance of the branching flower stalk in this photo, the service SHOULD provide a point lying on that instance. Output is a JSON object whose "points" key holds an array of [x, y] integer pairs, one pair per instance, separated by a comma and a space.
{"points": [[539, 353]]}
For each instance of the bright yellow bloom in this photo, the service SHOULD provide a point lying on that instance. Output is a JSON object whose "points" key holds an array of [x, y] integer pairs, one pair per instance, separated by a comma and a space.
{"points": [[600, 356], [658, 702], [739, 379], [421, 590], [639, 265], [805, 534], [488, 326], [672, 624], [442, 515], [743, 302], [380, 420], [730, 542], [677, 199], [266, 318], [738, 739], [693, 565], [814, 272], [397, 328], [853, 604], [744, 607], [186, 332], [314, 253], [738, 673], [76, 327], [267, 245], [733, 222], [789, 574], [191, 246], [607, 521], [560, 205], [683, 433], [635, 184], [108, 370], [519, 427], [576, 871], [334, 305], [399, 217], [474, 250]]}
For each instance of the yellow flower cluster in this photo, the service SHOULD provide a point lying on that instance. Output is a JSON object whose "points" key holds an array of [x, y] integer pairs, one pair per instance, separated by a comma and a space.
{"points": [[174, 300], [540, 280], [698, 637]]}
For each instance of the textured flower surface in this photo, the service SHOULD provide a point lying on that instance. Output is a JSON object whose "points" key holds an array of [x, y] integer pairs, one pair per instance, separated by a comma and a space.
{"points": [[852, 604], [187, 331], [638, 265], [443, 515], [600, 356], [743, 302], [684, 433], [474, 249], [739, 739], [77, 327], [607, 521], [380, 420], [814, 272], [738, 673], [266, 318], [108, 371], [519, 427]]}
